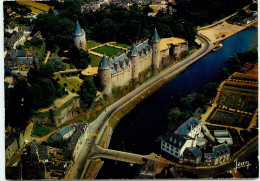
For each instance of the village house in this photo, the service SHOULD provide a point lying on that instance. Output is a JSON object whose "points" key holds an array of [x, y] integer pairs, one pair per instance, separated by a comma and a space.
{"points": [[216, 155], [188, 143]]}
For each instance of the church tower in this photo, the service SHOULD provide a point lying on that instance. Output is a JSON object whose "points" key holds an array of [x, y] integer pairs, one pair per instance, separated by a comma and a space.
{"points": [[156, 52], [135, 61], [104, 73], [79, 37]]}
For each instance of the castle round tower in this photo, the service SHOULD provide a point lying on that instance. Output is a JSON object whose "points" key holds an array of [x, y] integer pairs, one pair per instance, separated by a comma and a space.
{"points": [[79, 37], [104, 73], [135, 61], [156, 58]]}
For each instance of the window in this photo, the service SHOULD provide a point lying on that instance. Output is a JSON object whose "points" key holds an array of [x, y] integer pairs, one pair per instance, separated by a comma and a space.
{"points": [[167, 144], [167, 149], [176, 154], [177, 150], [163, 147]]}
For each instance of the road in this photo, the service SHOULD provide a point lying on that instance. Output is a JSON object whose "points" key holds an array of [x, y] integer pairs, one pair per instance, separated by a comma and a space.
{"points": [[96, 126]]}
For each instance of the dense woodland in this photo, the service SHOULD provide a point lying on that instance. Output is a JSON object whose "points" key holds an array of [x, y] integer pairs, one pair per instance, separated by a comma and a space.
{"points": [[126, 26], [109, 24]]}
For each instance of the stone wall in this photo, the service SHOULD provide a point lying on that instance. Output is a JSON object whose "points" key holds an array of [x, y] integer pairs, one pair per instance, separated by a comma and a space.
{"points": [[122, 78], [58, 117], [145, 62]]}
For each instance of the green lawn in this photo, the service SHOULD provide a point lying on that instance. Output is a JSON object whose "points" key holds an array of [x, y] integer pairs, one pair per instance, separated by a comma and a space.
{"points": [[92, 43], [42, 130], [121, 45], [72, 83], [110, 51], [94, 60]]}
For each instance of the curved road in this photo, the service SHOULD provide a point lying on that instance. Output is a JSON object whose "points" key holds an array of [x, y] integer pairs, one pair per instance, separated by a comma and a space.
{"points": [[96, 126]]}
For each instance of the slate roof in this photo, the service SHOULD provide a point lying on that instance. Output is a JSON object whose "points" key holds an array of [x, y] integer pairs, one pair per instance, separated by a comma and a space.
{"points": [[9, 140], [184, 129], [133, 51], [218, 150], [24, 60], [104, 63], [221, 149], [180, 140], [77, 30], [39, 150], [10, 42], [17, 53], [195, 151], [76, 137], [155, 37], [59, 134]]}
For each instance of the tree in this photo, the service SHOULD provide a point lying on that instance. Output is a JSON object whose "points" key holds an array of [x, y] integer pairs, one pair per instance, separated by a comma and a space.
{"points": [[88, 91], [210, 90], [18, 105], [80, 58], [174, 114], [46, 70], [57, 63]]}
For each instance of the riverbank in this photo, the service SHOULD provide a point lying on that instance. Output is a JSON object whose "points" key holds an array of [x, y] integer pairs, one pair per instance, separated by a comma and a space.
{"points": [[224, 30], [146, 89]]}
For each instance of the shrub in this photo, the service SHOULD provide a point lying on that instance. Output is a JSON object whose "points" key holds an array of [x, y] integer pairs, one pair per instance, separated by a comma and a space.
{"points": [[66, 92], [73, 90], [65, 84], [58, 79]]}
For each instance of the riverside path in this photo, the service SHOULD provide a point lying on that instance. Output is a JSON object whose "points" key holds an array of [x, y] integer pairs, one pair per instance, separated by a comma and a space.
{"points": [[96, 126]]}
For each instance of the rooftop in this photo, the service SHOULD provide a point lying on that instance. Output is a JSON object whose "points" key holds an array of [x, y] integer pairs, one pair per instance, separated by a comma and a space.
{"points": [[184, 129], [77, 30]]}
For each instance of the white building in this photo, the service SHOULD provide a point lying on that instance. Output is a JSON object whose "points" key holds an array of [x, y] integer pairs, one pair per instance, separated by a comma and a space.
{"points": [[185, 136]]}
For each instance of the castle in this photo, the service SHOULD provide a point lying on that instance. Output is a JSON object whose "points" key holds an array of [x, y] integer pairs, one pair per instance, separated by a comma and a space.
{"points": [[127, 67], [79, 37]]}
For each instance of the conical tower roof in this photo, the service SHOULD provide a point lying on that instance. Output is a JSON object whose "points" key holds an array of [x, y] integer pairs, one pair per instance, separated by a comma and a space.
{"points": [[155, 37], [77, 30], [133, 51], [104, 63]]}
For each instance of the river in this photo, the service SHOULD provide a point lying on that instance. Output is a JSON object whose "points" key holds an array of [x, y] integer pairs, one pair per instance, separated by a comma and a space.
{"points": [[138, 130]]}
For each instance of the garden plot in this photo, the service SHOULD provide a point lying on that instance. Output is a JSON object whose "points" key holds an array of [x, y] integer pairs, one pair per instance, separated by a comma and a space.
{"points": [[228, 118], [109, 51]]}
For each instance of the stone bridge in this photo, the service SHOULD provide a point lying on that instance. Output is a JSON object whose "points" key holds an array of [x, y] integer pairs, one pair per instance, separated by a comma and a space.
{"points": [[159, 162]]}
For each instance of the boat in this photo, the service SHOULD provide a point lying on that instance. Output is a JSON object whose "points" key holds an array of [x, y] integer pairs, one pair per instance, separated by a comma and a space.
{"points": [[217, 47]]}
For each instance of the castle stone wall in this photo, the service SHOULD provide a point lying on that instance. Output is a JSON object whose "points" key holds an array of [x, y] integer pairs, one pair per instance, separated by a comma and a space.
{"points": [[165, 53], [145, 62], [122, 78], [80, 41]]}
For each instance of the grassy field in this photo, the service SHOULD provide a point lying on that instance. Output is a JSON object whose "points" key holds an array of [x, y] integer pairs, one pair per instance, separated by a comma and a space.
{"points": [[92, 43], [72, 83], [42, 130], [110, 51], [36, 6], [94, 60], [121, 45]]}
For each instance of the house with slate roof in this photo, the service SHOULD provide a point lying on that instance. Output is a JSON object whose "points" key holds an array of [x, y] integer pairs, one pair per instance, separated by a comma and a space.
{"points": [[11, 146], [219, 154], [76, 141], [63, 134], [191, 155], [39, 152], [186, 136]]}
